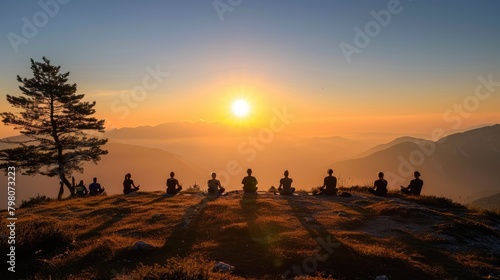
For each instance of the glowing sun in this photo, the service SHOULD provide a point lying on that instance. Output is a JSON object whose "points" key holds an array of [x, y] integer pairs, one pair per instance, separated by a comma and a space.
{"points": [[240, 108]]}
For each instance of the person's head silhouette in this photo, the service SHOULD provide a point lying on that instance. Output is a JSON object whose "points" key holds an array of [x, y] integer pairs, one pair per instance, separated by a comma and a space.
{"points": [[95, 179], [330, 172], [128, 176], [416, 174], [381, 175], [214, 175], [249, 171], [286, 173], [172, 174], [81, 182]]}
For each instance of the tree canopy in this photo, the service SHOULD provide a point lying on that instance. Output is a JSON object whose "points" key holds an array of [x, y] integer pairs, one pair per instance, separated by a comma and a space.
{"points": [[55, 122]]}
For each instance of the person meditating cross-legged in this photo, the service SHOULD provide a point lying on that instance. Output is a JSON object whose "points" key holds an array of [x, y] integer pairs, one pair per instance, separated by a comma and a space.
{"points": [[415, 186], [95, 188], [128, 184], [249, 182], [285, 187], [380, 186], [173, 186], [214, 186], [329, 184], [80, 189]]}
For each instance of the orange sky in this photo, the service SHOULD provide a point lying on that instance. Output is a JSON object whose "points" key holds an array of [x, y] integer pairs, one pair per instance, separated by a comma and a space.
{"points": [[340, 112]]}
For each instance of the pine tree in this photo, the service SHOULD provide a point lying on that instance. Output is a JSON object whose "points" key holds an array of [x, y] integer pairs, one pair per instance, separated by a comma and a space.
{"points": [[55, 122]]}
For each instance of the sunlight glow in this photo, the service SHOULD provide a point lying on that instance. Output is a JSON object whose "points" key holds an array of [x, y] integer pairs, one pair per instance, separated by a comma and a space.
{"points": [[240, 108]]}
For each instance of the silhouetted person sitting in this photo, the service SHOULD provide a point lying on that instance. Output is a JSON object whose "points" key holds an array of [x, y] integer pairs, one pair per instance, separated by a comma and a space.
{"points": [[128, 185], [95, 188], [380, 186], [214, 186], [329, 184], [285, 187], [415, 186], [249, 182], [80, 189], [173, 186]]}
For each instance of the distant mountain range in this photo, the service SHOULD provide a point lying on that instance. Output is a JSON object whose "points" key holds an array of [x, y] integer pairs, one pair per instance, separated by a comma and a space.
{"points": [[174, 130], [385, 146], [456, 166], [463, 166], [212, 146], [491, 202], [149, 167]]}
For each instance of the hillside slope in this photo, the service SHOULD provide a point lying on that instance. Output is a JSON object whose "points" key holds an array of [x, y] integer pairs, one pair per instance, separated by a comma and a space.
{"points": [[263, 237], [386, 146], [149, 167], [488, 202], [456, 166]]}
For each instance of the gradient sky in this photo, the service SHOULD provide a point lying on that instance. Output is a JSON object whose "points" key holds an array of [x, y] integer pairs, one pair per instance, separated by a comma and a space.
{"points": [[275, 54]]}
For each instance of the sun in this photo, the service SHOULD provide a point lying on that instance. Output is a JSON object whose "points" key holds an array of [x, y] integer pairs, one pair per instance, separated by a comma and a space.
{"points": [[240, 108]]}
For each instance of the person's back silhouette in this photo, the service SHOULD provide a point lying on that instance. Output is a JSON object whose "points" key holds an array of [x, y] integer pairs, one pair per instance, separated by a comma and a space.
{"points": [[249, 182], [415, 186], [285, 187], [380, 186], [329, 184], [128, 185], [214, 186], [80, 189], [95, 188], [173, 186]]}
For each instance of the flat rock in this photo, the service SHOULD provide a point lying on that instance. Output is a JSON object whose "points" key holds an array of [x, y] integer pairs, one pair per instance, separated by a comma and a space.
{"points": [[223, 267], [142, 246]]}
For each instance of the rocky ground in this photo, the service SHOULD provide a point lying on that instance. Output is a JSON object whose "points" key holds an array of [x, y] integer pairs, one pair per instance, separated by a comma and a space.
{"points": [[264, 236]]}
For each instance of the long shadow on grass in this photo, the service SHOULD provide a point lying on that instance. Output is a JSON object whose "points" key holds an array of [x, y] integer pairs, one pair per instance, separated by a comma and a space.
{"points": [[100, 252], [160, 198], [184, 234], [177, 244], [182, 238], [251, 247], [436, 258], [328, 246], [239, 237], [117, 216], [99, 200], [337, 258]]}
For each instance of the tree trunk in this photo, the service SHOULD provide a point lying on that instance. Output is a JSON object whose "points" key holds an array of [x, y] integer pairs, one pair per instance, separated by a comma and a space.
{"points": [[67, 183], [61, 190]]}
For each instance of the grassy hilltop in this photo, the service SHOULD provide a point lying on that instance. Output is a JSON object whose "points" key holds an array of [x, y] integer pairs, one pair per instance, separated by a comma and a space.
{"points": [[263, 237]]}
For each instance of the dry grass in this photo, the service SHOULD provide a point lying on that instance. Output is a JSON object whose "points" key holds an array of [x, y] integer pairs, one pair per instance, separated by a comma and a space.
{"points": [[177, 268], [264, 237]]}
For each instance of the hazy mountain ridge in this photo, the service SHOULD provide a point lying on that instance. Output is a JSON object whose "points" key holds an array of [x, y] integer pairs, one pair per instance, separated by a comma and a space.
{"points": [[173, 130], [394, 142], [480, 194], [457, 165], [491, 202], [212, 147], [110, 171]]}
